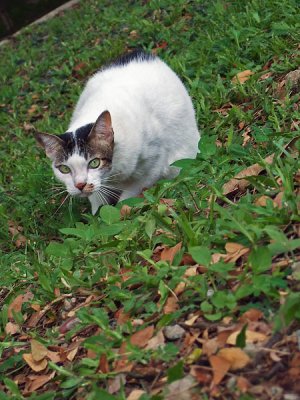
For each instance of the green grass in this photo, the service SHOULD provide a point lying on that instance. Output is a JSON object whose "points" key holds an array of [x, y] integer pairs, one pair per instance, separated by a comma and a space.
{"points": [[70, 252]]}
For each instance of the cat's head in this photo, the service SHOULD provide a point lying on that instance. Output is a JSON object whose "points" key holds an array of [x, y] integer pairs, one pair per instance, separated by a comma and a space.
{"points": [[81, 159]]}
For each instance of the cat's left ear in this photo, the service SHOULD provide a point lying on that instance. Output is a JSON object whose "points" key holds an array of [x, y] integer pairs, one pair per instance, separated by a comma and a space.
{"points": [[103, 128]]}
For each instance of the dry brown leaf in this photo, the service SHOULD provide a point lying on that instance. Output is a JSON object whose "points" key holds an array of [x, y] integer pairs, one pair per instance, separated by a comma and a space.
{"points": [[125, 210], [262, 201], [220, 368], [192, 319], [114, 385], [238, 183], [242, 77], [234, 251], [277, 201], [171, 305], [180, 389], [237, 358], [202, 376], [32, 109], [135, 394], [38, 350], [253, 314], [11, 329], [141, 338], [232, 247], [274, 356], [243, 384], [251, 337], [210, 346], [71, 354], [156, 341], [169, 253], [37, 381], [16, 304], [121, 316], [103, 366], [36, 366], [180, 288], [54, 356]]}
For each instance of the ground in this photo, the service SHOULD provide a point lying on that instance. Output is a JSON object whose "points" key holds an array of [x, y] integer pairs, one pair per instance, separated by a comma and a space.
{"points": [[191, 291]]}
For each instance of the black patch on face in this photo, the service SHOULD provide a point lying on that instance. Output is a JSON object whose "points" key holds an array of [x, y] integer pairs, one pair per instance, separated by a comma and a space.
{"points": [[76, 143], [135, 55], [113, 196]]}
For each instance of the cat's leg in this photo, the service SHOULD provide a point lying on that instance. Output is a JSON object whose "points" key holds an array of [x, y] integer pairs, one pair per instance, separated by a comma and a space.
{"points": [[96, 202], [131, 190]]}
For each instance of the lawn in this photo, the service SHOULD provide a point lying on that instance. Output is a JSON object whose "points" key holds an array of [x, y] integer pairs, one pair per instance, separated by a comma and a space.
{"points": [[191, 291]]}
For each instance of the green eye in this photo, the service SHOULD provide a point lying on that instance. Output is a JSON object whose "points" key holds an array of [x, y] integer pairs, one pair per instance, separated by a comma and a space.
{"points": [[94, 163], [64, 169]]}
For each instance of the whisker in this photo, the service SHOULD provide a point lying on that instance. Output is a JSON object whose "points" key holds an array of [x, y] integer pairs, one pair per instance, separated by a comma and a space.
{"points": [[101, 198], [63, 202], [110, 193]]}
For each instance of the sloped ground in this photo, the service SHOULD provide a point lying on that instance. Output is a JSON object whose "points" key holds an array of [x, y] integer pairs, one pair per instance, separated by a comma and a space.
{"points": [[193, 290]]}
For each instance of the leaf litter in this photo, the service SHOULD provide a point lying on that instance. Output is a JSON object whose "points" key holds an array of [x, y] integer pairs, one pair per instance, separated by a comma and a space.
{"points": [[215, 355]]}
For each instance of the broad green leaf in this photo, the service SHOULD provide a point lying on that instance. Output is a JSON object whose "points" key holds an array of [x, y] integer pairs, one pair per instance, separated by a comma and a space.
{"points": [[58, 250], [241, 337], [260, 259], [175, 372], [110, 214], [201, 255]]}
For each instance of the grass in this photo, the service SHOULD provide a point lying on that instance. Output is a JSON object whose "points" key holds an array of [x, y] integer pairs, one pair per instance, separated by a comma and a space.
{"points": [[116, 270]]}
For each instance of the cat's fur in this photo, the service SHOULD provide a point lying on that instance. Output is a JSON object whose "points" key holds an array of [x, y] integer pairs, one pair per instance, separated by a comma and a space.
{"points": [[136, 117]]}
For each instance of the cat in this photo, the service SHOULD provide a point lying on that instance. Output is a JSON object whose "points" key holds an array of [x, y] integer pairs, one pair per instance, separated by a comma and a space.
{"points": [[133, 119]]}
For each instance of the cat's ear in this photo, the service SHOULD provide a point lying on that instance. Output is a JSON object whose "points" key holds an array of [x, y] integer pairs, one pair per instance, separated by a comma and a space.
{"points": [[52, 144], [103, 128]]}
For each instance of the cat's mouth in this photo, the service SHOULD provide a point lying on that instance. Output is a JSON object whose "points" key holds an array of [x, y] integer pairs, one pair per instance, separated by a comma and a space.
{"points": [[85, 191]]}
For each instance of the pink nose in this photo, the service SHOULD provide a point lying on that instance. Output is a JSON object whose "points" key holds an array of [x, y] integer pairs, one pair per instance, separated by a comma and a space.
{"points": [[80, 185]]}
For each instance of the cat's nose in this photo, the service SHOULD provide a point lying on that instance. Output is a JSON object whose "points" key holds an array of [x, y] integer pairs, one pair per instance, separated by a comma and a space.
{"points": [[80, 185]]}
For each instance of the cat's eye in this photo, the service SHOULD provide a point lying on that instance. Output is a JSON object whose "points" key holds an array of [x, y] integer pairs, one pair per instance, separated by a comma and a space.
{"points": [[95, 163], [64, 169]]}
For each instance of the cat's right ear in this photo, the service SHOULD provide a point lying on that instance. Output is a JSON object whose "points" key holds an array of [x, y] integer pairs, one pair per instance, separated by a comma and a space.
{"points": [[51, 144]]}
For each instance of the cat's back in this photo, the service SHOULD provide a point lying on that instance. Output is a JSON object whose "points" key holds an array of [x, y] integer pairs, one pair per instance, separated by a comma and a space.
{"points": [[137, 81]]}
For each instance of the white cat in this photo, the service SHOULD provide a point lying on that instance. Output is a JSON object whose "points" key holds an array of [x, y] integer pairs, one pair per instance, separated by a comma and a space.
{"points": [[133, 119]]}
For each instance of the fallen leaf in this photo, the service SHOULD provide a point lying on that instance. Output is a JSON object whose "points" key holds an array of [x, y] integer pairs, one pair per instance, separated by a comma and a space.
{"points": [[38, 350], [141, 338], [156, 341], [210, 346], [171, 305], [220, 368], [179, 389], [237, 358], [243, 384], [125, 210], [201, 375], [194, 356], [121, 316], [114, 385], [36, 366], [11, 329], [262, 201], [103, 366], [37, 381], [238, 183], [135, 394], [234, 251], [16, 304], [54, 356], [251, 337], [169, 253], [242, 77], [277, 201], [32, 109], [253, 314]]}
